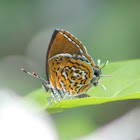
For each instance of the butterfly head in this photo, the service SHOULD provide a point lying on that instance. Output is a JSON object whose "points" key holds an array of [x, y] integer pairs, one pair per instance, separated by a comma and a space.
{"points": [[97, 73]]}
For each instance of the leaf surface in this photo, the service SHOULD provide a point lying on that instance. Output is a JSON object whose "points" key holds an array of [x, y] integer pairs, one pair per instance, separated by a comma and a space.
{"points": [[123, 84]]}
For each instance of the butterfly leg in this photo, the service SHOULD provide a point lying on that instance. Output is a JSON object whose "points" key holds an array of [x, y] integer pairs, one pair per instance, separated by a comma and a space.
{"points": [[53, 96], [57, 95], [70, 95], [46, 87], [61, 93], [49, 100], [54, 93]]}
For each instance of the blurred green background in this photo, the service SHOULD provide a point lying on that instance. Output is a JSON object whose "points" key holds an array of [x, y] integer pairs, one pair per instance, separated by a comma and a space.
{"points": [[109, 29]]}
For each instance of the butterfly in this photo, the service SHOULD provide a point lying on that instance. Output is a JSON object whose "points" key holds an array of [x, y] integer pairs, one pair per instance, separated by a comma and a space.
{"points": [[70, 70]]}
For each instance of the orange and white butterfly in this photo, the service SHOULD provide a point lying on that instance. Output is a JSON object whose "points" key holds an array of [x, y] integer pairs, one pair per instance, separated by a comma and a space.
{"points": [[69, 69]]}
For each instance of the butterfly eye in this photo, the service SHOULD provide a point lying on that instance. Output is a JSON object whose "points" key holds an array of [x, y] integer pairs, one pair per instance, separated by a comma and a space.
{"points": [[97, 72]]}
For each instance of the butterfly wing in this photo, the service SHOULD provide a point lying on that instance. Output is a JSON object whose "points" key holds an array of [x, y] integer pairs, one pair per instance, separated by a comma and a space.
{"points": [[63, 47]]}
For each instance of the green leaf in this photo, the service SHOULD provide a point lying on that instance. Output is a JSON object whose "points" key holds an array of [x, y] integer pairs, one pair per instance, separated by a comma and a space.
{"points": [[123, 84]]}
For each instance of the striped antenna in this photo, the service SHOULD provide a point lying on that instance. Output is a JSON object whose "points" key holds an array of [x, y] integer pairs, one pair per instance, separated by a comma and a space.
{"points": [[35, 75]]}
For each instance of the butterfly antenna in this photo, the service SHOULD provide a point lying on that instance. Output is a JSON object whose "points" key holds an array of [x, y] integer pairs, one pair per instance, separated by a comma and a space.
{"points": [[103, 86], [105, 64], [35, 75]]}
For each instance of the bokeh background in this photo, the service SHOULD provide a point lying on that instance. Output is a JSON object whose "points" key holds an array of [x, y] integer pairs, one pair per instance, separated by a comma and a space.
{"points": [[109, 29]]}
